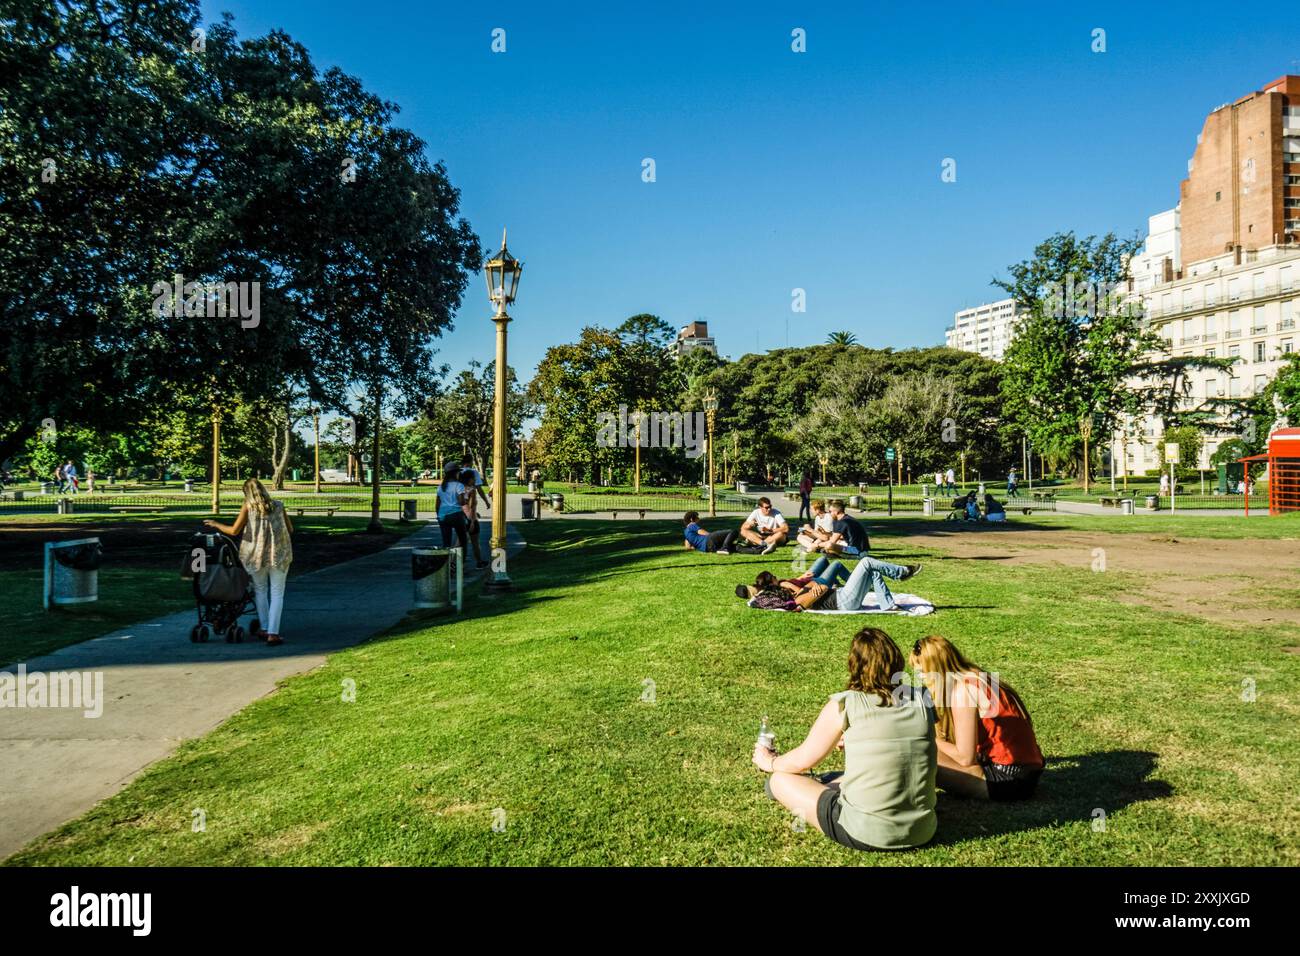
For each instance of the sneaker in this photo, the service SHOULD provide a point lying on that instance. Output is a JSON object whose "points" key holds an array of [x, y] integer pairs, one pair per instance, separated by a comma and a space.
{"points": [[912, 571], [771, 546], [722, 551]]}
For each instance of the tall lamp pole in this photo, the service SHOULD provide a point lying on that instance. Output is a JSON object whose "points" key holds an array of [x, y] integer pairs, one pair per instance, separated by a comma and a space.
{"points": [[315, 427], [502, 271], [824, 460], [1085, 429], [711, 412]]}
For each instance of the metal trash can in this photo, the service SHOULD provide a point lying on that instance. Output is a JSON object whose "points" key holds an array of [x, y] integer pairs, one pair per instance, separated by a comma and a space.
{"points": [[405, 509], [1126, 506], [189, 485], [18, 496], [862, 487], [927, 507], [742, 486], [72, 571], [855, 501], [557, 502], [432, 578], [297, 474], [1153, 502], [528, 508], [64, 506]]}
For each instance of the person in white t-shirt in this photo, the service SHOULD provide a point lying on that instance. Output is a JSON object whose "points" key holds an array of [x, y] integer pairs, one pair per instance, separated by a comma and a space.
{"points": [[451, 509], [473, 483], [813, 537], [765, 527]]}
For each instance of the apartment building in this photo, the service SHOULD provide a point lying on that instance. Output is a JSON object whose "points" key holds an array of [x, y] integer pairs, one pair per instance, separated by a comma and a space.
{"points": [[1219, 274], [985, 329], [695, 336]]}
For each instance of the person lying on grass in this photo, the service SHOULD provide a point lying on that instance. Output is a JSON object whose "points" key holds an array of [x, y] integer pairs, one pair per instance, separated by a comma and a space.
{"points": [[885, 798], [716, 542], [837, 589], [987, 746]]}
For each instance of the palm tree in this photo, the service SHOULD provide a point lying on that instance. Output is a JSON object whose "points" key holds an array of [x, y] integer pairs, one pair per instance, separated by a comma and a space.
{"points": [[841, 338]]}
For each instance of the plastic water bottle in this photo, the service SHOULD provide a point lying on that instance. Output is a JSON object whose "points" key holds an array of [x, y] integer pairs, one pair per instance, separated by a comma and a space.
{"points": [[765, 736]]}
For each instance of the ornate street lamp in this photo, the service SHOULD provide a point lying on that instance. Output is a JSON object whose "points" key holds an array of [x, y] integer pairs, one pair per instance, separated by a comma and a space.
{"points": [[823, 459], [502, 272], [711, 411], [315, 427]]}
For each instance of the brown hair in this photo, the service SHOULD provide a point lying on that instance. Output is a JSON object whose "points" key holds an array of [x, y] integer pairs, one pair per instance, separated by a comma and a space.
{"points": [[939, 663], [875, 662]]}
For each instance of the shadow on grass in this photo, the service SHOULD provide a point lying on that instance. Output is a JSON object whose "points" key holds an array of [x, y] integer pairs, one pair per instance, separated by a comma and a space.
{"points": [[1071, 790]]}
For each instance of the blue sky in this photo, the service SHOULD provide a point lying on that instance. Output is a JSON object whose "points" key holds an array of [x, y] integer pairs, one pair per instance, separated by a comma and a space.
{"points": [[779, 170]]}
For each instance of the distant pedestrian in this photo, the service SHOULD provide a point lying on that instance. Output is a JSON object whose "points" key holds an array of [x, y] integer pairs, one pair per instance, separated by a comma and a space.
{"points": [[266, 552], [1164, 485], [805, 496], [90, 481], [473, 483], [1012, 475], [70, 473], [452, 498], [58, 479], [938, 483], [951, 477]]}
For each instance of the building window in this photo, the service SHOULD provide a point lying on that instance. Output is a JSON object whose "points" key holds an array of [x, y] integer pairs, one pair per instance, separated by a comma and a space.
{"points": [[1287, 346], [1259, 351], [1216, 196], [1234, 351], [1234, 388], [1209, 353], [1260, 382]]}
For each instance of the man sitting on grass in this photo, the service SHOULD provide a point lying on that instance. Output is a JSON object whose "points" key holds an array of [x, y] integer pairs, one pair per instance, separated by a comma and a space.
{"points": [[847, 536], [765, 527], [813, 537]]}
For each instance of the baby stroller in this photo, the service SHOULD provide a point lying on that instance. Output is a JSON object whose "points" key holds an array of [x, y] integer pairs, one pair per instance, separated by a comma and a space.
{"points": [[222, 589]]}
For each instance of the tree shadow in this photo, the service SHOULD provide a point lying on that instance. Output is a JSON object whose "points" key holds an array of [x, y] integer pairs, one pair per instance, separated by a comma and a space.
{"points": [[1072, 789]]}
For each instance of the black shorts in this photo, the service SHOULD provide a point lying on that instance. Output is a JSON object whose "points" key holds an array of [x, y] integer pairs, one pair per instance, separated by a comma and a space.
{"points": [[1010, 781], [828, 818]]}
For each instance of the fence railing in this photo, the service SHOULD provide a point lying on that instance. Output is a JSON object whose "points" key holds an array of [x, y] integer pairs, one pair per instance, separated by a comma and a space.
{"points": [[183, 503]]}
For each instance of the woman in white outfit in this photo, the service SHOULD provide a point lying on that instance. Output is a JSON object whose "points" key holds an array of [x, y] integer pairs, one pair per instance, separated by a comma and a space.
{"points": [[266, 552]]}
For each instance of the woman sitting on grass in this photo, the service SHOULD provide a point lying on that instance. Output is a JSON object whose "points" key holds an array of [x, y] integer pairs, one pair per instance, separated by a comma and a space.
{"points": [[987, 746], [716, 542], [885, 798]]}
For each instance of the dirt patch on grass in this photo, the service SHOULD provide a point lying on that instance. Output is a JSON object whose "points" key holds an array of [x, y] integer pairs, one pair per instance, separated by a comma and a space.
{"points": [[160, 545], [1246, 581]]}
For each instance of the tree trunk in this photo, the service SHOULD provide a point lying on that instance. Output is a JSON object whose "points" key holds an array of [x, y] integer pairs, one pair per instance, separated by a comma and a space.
{"points": [[375, 524], [282, 461]]}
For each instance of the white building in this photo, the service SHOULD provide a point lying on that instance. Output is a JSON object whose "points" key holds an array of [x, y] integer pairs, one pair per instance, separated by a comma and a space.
{"points": [[695, 336], [1243, 305], [1162, 253], [985, 329]]}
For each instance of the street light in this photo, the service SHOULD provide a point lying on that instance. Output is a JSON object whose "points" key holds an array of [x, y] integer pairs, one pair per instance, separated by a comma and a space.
{"points": [[711, 411], [823, 459], [502, 272], [315, 426]]}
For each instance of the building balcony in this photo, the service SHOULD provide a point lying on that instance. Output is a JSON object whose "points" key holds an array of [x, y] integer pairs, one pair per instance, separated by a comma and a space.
{"points": [[1286, 325], [1259, 330], [1210, 337]]}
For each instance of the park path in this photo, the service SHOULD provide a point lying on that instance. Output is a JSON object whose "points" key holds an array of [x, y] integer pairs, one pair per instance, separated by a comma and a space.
{"points": [[159, 689]]}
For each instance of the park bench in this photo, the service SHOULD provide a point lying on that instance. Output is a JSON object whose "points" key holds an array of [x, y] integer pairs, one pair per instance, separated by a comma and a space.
{"points": [[143, 509], [1108, 501], [328, 511], [640, 511], [1044, 495]]}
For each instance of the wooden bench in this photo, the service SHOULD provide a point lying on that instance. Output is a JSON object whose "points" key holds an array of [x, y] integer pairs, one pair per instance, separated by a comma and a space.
{"points": [[316, 510]]}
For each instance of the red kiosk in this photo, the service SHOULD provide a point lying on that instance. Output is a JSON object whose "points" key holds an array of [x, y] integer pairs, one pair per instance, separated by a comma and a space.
{"points": [[1283, 459]]}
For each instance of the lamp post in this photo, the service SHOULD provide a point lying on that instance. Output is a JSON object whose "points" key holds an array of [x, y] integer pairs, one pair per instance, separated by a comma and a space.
{"points": [[1085, 429], [711, 412], [315, 427], [823, 459], [437, 459], [636, 474], [502, 271]]}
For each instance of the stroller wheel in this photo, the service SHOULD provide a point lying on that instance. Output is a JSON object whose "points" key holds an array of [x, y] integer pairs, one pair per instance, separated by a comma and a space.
{"points": [[230, 634], [235, 634], [204, 633], [194, 634]]}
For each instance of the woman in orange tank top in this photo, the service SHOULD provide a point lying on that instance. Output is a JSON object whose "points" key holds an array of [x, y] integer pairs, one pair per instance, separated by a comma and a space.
{"points": [[987, 746]]}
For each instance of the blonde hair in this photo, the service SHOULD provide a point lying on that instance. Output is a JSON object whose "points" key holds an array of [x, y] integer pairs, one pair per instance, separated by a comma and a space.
{"points": [[257, 498], [817, 504], [939, 664]]}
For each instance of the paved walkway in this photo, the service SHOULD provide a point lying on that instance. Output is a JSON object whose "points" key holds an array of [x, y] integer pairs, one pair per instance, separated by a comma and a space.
{"points": [[159, 689]]}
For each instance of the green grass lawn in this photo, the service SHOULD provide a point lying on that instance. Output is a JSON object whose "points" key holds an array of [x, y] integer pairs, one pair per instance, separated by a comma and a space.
{"points": [[126, 594], [531, 712]]}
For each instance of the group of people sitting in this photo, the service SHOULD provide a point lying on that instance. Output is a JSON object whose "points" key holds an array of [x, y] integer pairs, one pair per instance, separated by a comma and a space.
{"points": [[968, 509], [962, 729], [832, 531]]}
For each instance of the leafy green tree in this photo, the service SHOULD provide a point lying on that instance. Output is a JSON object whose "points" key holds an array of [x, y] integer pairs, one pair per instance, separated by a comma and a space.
{"points": [[841, 339]]}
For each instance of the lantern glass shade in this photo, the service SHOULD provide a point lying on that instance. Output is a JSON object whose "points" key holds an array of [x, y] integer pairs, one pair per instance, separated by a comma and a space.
{"points": [[710, 403], [502, 272]]}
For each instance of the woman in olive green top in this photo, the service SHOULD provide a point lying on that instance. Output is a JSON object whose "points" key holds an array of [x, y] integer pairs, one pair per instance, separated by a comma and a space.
{"points": [[885, 798]]}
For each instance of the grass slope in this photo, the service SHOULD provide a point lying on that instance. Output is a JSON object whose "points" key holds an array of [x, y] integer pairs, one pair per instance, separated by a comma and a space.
{"points": [[533, 704]]}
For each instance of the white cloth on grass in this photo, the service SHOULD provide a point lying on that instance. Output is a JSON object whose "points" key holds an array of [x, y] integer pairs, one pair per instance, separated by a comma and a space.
{"points": [[908, 605]]}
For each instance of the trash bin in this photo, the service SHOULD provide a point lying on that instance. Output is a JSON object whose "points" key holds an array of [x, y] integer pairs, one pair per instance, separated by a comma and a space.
{"points": [[532, 487], [1126, 506], [64, 506], [742, 486], [72, 571], [1153, 502], [432, 578], [855, 501], [927, 507], [18, 496], [557, 502], [189, 485], [297, 474], [528, 508], [405, 509], [46, 487], [981, 493]]}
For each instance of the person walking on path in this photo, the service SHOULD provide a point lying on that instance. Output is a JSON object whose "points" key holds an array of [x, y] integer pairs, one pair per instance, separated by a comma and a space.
{"points": [[1012, 475], [473, 483], [1164, 485], [951, 477], [452, 499], [805, 497], [70, 473], [266, 552]]}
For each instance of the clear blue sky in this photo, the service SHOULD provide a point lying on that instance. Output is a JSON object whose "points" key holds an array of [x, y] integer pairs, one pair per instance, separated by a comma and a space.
{"points": [[778, 170]]}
